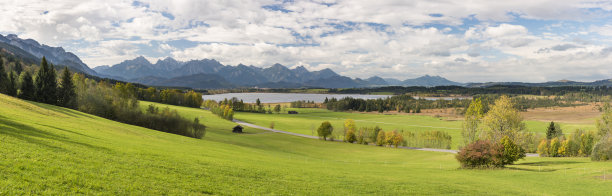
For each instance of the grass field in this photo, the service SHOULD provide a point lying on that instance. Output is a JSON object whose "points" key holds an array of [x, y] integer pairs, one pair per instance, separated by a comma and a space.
{"points": [[309, 119], [55, 151]]}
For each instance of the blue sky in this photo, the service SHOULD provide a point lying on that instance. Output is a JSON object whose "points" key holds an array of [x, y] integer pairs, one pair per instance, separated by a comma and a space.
{"points": [[475, 41]]}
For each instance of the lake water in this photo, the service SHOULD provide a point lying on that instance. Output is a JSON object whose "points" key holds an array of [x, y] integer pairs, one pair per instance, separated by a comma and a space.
{"points": [[285, 97]]}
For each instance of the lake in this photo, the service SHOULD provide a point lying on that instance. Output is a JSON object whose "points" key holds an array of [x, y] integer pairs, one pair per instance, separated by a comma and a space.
{"points": [[285, 97]]}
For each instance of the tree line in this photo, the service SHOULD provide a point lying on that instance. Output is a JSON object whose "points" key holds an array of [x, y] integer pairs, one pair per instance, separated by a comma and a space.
{"points": [[115, 102], [409, 104], [377, 136]]}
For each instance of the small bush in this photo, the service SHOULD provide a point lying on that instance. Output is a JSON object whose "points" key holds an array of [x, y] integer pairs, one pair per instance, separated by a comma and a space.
{"points": [[350, 136], [481, 154]]}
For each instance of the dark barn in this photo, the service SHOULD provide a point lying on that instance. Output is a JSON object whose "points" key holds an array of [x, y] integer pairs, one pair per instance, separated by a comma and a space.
{"points": [[237, 129]]}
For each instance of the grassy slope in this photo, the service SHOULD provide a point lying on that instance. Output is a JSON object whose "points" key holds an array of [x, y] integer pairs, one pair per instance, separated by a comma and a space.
{"points": [[50, 150], [309, 119]]}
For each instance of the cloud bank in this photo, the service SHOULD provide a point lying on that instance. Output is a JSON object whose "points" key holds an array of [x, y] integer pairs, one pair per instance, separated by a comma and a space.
{"points": [[475, 41]]}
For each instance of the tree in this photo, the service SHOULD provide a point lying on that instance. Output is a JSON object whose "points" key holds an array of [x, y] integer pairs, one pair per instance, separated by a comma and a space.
{"points": [[66, 92], [503, 120], [397, 139], [381, 138], [26, 87], [277, 108], [325, 130], [11, 84], [18, 69], [349, 125], [553, 150], [511, 152], [553, 130], [602, 150], [3, 78], [258, 102], [473, 116], [543, 148], [46, 84]]}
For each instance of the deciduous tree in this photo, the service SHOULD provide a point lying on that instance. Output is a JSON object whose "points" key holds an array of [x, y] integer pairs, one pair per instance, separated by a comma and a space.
{"points": [[473, 116], [325, 130]]}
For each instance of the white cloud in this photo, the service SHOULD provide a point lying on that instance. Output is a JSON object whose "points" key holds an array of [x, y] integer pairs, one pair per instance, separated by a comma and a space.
{"points": [[472, 41]]}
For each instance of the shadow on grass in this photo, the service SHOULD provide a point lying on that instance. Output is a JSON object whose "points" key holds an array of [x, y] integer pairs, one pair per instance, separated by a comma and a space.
{"points": [[549, 163], [533, 169], [62, 110], [36, 136], [69, 131]]}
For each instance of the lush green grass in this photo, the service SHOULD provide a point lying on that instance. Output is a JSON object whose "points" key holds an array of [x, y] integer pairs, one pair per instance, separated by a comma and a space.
{"points": [[50, 150], [309, 119]]}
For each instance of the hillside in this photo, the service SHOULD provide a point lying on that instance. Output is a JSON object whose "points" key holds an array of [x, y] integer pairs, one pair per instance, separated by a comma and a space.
{"points": [[56, 151]]}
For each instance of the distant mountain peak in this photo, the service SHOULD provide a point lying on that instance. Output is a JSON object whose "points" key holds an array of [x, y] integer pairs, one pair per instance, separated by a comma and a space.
{"points": [[55, 55]]}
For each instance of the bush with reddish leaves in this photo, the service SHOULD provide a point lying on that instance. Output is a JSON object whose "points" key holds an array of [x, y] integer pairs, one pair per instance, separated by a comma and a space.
{"points": [[481, 154]]}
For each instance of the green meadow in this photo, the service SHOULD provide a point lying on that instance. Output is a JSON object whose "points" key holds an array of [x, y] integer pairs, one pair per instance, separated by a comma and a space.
{"points": [[309, 119], [48, 150]]}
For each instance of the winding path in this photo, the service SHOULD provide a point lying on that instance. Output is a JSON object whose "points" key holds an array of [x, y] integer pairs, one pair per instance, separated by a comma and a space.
{"points": [[315, 137]]}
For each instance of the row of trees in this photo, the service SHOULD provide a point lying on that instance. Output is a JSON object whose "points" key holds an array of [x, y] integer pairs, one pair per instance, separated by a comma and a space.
{"points": [[377, 136], [408, 104], [42, 87], [579, 143], [170, 96], [116, 102]]}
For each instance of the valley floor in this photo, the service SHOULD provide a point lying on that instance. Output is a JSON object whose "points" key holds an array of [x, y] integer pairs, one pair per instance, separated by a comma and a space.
{"points": [[56, 151]]}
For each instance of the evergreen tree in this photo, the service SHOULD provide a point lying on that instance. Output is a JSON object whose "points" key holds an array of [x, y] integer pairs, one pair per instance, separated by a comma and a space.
{"points": [[11, 84], [3, 78], [66, 93], [26, 87], [553, 130], [18, 69], [46, 85]]}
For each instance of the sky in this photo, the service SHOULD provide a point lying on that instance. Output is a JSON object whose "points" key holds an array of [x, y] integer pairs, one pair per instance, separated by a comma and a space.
{"points": [[464, 41]]}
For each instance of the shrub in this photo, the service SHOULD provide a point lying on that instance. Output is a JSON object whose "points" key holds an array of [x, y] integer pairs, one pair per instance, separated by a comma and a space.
{"points": [[350, 136], [481, 154]]}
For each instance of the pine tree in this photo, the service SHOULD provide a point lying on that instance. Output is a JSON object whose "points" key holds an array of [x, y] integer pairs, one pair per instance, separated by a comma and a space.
{"points": [[46, 85], [26, 87], [3, 78], [11, 84], [66, 93], [18, 69]]}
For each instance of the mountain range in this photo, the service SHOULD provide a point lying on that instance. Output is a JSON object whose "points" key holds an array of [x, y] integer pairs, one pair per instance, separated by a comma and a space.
{"points": [[55, 55], [211, 74]]}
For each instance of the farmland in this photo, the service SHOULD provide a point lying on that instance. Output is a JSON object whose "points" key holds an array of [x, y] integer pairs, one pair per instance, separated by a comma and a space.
{"points": [[51, 150]]}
